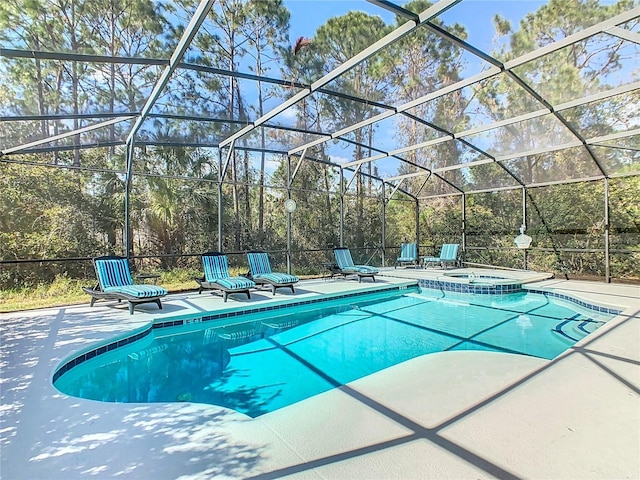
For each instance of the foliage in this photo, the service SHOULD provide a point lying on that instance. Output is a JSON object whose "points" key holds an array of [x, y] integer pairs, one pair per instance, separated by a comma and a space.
{"points": [[68, 205]]}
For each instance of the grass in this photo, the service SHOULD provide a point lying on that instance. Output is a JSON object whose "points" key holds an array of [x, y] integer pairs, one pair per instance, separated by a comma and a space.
{"points": [[58, 293], [68, 291]]}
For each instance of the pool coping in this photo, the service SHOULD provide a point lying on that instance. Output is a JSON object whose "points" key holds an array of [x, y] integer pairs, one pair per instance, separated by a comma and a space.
{"points": [[83, 355], [233, 311]]}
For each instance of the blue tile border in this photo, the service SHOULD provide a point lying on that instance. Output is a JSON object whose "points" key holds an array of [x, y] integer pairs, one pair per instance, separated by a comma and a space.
{"points": [[218, 316], [479, 288], [569, 298], [99, 351], [513, 288], [432, 284], [249, 311]]}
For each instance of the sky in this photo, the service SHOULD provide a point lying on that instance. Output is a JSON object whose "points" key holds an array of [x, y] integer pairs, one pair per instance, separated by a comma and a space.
{"points": [[475, 15]]}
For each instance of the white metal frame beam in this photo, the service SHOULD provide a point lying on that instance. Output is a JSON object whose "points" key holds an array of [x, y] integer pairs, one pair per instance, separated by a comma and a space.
{"points": [[510, 121], [576, 37], [625, 34], [388, 39], [594, 141], [527, 116], [189, 33], [297, 167], [70, 133]]}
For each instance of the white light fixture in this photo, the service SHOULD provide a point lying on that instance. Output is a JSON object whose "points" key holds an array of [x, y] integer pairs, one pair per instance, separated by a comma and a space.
{"points": [[522, 240], [290, 205]]}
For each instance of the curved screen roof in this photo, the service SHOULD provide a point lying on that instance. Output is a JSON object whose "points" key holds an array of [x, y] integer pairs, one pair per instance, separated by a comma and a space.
{"points": [[449, 98]]}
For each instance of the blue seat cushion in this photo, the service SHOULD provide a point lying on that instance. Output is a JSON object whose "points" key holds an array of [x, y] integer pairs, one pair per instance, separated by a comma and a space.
{"points": [[276, 278], [233, 283], [363, 269], [138, 291]]}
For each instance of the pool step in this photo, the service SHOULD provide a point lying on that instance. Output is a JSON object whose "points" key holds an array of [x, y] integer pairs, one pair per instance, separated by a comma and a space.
{"points": [[580, 328]]}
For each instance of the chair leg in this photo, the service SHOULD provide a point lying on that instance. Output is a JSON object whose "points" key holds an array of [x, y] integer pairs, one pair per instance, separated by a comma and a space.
{"points": [[159, 304], [93, 300], [248, 294], [273, 289], [131, 306], [292, 290], [224, 295]]}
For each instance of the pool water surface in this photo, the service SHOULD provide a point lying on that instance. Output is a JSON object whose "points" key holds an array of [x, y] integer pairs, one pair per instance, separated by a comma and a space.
{"points": [[273, 360]]}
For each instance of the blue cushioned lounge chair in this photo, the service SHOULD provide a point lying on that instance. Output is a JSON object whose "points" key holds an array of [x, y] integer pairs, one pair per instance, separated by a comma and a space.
{"points": [[448, 254], [408, 254], [346, 266], [261, 273], [115, 283], [217, 277]]}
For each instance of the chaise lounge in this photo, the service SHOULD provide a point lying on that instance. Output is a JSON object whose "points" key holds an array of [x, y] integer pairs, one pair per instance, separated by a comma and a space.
{"points": [[408, 254], [115, 283], [260, 272], [448, 254], [347, 267], [217, 277]]}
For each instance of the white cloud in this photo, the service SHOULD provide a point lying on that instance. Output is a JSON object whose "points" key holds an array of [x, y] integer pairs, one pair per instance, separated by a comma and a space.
{"points": [[338, 159]]}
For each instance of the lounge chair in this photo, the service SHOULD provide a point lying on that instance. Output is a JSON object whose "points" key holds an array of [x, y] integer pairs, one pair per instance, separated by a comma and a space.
{"points": [[408, 254], [346, 266], [448, 254], [217, 277], [260, 272], [115, 283]]}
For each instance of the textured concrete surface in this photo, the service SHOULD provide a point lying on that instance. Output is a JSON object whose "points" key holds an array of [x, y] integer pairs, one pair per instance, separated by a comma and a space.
{"points": [[446, 415]]}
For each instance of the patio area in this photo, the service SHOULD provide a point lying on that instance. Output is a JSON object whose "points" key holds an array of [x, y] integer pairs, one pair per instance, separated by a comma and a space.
{"points": [[460, 414]]}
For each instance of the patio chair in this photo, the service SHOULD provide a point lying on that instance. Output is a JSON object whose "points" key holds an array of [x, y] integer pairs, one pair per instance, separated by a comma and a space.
{"points": [[408, 254], [115, 283], [347, 267], [260, 272], [448, 254], [217, 277]]}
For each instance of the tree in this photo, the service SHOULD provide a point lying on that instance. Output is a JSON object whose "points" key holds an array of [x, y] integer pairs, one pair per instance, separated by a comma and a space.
{"points": [[45, 213], [583, 67], [268, 32], [428, 62], [340, 39]]}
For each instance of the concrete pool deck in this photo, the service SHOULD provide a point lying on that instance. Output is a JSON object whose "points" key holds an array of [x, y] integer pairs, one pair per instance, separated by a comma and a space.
{"points": [[447, 415]]}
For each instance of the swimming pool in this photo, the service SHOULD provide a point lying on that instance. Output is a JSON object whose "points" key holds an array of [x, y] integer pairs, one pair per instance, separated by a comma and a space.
{"points": [[272, 359]]}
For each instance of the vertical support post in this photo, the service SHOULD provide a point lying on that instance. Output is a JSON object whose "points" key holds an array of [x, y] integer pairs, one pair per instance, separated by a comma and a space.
{"points": [[464, 227], [127, 200], [607, 240], [384, 223], [417, 212], [342, 192], [289, 215], [524, 207], [220, 199], [524, 220]]}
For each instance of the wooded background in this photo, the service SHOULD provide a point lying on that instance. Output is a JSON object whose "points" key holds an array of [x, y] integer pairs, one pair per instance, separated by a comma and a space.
{"points": [[63, 203]]}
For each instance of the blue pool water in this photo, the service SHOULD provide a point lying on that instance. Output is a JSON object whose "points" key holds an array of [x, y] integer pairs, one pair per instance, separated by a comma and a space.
{"points": [[277, 358]]}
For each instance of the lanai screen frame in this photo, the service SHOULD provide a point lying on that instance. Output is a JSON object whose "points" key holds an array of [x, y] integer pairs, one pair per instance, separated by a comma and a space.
{"points": [[296, 155]]}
